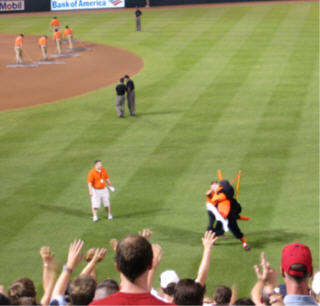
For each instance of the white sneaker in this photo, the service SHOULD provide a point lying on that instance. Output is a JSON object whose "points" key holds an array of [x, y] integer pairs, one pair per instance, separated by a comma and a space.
{"points": [[110, 217], [95, 218]]}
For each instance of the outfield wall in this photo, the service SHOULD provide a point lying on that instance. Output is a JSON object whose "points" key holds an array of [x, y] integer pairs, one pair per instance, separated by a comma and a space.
{"points": [[133, 3], [15, 6]]}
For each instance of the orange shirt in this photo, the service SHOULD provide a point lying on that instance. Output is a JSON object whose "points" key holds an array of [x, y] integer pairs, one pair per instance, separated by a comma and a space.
{"points": [[42, 41], [223, 204], [68, 32], [55, 23], [98, 179], [18, 42], [57, 35]]}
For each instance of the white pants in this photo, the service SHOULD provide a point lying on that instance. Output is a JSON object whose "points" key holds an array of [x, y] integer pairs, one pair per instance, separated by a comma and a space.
{"points": [[18, 54], [58, 42], [44, 52], [69, 37], [100, 195], [216, 213]]}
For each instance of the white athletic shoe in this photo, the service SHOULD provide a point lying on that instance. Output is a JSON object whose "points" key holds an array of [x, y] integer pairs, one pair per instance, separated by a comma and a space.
{"points": [[110, 217], [245, 246], [95, 218]]}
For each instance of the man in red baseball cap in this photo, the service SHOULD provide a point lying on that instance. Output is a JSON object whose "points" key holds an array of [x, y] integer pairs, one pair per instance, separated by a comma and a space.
{"points": [[296, 268]]}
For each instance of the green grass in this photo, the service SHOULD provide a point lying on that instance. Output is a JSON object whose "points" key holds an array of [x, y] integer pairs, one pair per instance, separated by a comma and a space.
{"points": [[228, 88]]}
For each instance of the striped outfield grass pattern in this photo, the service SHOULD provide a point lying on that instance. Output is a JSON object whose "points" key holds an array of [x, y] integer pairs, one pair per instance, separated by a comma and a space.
{"points": [[223, 87]]}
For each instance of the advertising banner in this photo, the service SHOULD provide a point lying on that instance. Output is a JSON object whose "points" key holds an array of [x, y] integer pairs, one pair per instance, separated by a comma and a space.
{"points": [[62, 5], [11, 5]]}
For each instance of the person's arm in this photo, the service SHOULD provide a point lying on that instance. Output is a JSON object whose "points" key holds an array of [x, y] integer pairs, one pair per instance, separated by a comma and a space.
{"points": [[234, 295], [74, 258], [146, 233], [2, 290], [208, 241], [113, 243], [267, 277], [157, 256], [111, 187], [49, 274], [90, 189], [98, 256]]}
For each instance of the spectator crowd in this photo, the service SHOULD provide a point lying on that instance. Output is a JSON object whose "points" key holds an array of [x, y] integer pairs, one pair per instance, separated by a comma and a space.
{"points": [[136, 260]]}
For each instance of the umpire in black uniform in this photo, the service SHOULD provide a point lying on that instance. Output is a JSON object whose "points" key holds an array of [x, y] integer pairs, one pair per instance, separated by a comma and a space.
{"points": [[130, 95], [120, 90], [138, 14]]}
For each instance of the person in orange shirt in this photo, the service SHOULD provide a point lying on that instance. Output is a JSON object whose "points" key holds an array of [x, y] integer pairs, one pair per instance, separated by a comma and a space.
{"points": [[98, 179], [228, 210], [54, 24], [57, 37], [43, 46], [18, 48], [68, 32]]}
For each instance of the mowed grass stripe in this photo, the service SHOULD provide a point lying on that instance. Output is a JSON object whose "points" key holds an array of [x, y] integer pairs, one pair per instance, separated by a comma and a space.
{"points": [[302, 179], [238, 126], [96, 24], [185, 140], [70, 207], [156, 35], [303, 196], [70, 203], [177, 152], [39, 134], [143, 134], [269, 155], [189, 98], [248, 105], [185, 61], [237, 132], [50, 161]]}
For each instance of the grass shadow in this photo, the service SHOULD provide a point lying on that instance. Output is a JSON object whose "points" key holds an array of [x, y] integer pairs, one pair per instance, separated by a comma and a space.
{"points": [[173, 234], [157, 113], [139, 213], [65, 211], [260, 239]]}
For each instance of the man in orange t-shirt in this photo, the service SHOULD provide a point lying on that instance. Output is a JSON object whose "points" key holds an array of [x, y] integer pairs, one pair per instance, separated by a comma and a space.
{"points": [[54, 24], [57, 37], [68, 32], [18, 48], [43, 46], [98, 179]]}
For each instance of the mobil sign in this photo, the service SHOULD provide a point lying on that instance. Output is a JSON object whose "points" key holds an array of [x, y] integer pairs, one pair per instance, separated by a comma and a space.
{"points": [[11, 5]]}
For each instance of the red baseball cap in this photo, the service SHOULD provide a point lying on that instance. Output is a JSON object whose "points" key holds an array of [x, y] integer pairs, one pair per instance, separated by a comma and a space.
{"points": [[296, 253]]}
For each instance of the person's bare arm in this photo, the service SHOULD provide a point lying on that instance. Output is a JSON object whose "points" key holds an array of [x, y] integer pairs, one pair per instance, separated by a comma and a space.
{"points": [[97, 257], [208, 241], [146, 233], [88, 258], [74, 258], [157, 256], [267, 277], [113, 243], [49, 274], [111, 187], [90, 189], [234, 295]]}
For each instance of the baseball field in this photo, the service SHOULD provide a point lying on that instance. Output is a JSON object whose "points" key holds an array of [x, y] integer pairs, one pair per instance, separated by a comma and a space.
{"points": [[222, 87]]}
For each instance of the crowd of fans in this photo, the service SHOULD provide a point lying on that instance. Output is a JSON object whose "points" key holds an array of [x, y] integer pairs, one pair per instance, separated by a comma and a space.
{"points": [[136, 260]]}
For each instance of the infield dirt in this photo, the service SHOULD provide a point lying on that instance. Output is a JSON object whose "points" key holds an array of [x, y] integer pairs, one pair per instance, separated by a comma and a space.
{"points": [[95, 66]]}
